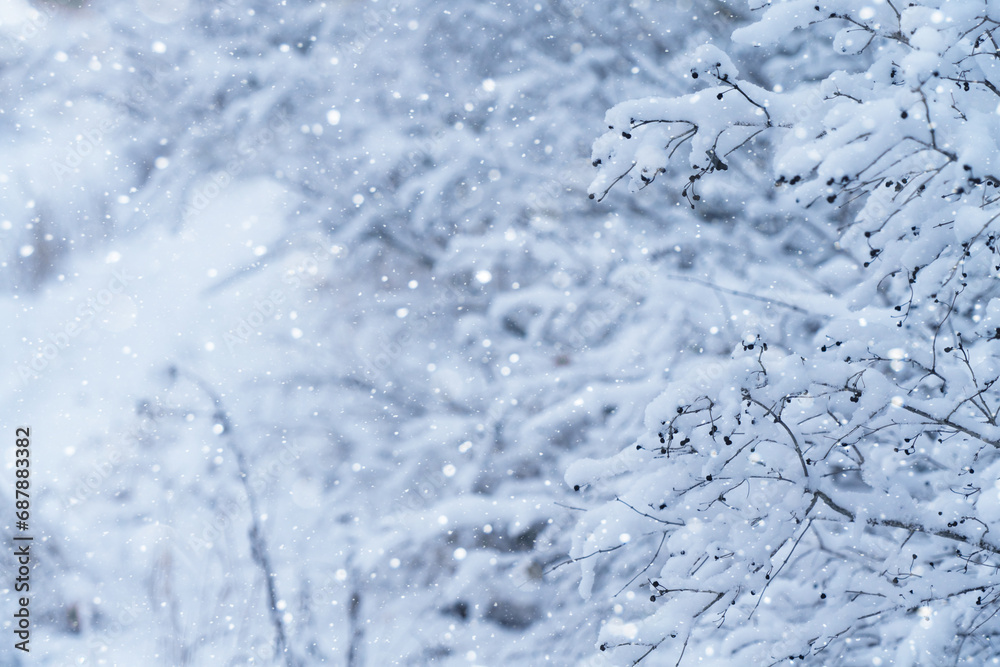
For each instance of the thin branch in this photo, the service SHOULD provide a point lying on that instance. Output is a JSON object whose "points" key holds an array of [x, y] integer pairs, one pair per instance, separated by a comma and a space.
{"points": [[648, 565], [746, 295], [258, 543], [909, 525], [778, 420], [950, 424]]}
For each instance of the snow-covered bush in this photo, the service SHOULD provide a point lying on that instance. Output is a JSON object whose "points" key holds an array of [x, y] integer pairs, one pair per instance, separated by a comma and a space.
{"points": [[828, 495]]}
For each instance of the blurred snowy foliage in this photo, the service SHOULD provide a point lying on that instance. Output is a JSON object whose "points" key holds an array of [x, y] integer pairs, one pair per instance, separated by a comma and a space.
{"points": [[308, 301], [330, 359]]}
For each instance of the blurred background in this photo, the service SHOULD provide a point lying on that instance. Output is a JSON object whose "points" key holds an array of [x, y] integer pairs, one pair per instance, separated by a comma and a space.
{"points": [[308, 311]]}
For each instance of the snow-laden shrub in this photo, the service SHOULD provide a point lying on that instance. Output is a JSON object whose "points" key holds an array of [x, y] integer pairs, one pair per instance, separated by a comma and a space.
{"points": [[833, 498]]}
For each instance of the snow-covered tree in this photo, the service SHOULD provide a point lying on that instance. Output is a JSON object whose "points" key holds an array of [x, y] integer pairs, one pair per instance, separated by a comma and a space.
{"points": [[828, 494]]}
